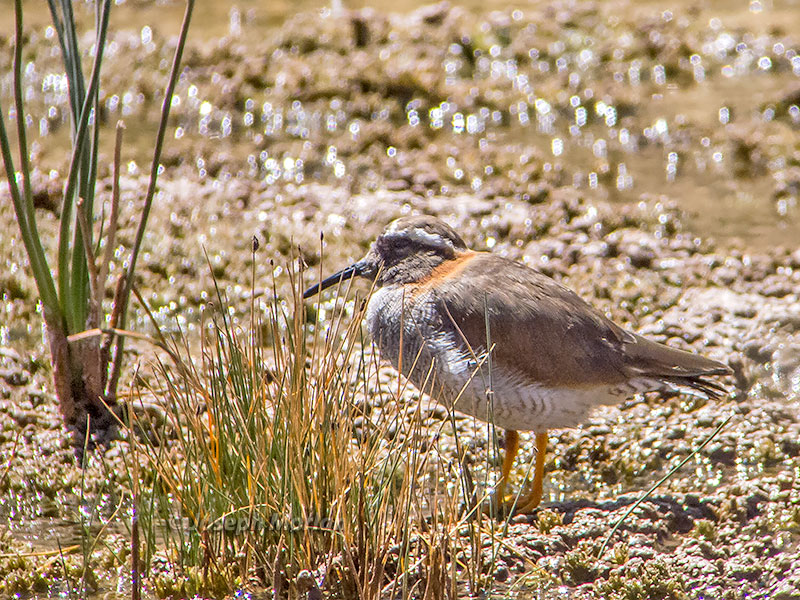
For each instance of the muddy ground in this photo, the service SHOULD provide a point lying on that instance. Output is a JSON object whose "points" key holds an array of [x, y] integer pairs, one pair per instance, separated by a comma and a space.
{"points": [[647, 157]]}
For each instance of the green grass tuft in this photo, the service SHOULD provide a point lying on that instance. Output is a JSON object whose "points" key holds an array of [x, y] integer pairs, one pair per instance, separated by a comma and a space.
{"points": [[270, 462]]}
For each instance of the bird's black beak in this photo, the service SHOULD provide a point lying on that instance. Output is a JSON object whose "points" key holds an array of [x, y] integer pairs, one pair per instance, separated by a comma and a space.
{"points": [[363, 268]]}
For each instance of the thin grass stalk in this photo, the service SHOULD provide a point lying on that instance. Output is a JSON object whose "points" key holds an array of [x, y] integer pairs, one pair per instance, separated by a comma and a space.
{"points": [[88, 194], [127, 281], [63, 563], [85, 529], [136, 581], [113, 218], [93, 319], [83, 262], [491, 429], [58, 25], [19, 106], [72, 284], [23, 204], [133, 475], [315, 357], [658, 483], [65, 26], [154, 168]]}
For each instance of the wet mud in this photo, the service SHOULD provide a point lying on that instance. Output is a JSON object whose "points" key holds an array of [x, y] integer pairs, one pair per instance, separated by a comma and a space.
{"points": [[645, 157]]}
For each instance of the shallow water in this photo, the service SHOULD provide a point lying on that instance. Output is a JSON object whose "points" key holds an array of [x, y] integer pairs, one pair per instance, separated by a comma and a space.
{"points": [[688, 142]]}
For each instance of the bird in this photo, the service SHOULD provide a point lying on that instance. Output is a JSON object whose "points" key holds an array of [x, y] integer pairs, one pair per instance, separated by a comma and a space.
{"points": [[500, 341]]}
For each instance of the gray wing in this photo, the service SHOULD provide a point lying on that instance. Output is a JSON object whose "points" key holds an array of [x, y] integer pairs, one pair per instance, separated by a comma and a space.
{"points": [[545, 331]]}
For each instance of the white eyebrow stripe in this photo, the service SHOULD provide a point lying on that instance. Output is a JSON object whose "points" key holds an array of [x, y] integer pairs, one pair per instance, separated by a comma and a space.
{"points": [[418, 234]]}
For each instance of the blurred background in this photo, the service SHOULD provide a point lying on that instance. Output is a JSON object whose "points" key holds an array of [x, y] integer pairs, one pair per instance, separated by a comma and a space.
{"points": [[696, 104]]}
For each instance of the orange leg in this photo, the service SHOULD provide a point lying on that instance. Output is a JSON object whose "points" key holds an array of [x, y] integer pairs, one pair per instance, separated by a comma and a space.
{"points": [[533, 496], [512, 446]]}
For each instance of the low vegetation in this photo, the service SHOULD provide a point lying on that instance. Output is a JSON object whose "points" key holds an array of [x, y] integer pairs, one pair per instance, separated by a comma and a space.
{"points": [[258, 473]]}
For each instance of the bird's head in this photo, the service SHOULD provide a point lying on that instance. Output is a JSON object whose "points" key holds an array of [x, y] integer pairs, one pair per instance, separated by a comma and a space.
{"points": [[407, 250]]}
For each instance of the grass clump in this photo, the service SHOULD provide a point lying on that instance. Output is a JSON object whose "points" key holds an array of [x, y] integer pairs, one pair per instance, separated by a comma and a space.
{"points": [[643, 581], [620, 553], [705, 529], [580, 566], [548, 519], [84, 334], [258, 476]]}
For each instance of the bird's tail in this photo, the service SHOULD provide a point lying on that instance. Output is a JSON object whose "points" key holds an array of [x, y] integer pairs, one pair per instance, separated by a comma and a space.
{"points": [[675, 367], [699, 383]]}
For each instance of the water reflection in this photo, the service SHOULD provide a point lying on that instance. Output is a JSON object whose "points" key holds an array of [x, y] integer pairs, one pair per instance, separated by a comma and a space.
{"points": [[601, 98]]}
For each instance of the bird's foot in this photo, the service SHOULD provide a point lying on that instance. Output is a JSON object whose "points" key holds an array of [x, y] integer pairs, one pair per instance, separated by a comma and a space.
{"points": [[527, 501], [513, 504]]}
